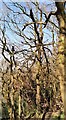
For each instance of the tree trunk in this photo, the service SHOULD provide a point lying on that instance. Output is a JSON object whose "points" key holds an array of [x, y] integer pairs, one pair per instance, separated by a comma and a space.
{"points": [[12, 98], [38, 96], [61, 17], [19, 105]]}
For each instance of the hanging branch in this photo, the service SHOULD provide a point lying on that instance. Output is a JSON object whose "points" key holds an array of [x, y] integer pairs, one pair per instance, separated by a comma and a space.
{"points": [[35, 27], [47, 18]]}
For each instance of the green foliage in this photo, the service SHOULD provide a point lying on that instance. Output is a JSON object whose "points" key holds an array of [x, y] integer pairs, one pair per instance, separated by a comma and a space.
{"points": [[62, 115]]}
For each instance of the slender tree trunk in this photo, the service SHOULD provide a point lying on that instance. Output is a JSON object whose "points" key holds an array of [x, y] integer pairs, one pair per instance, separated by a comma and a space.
{"points": [[19, 105], [12, 98], [13, 114], [38, 96]]}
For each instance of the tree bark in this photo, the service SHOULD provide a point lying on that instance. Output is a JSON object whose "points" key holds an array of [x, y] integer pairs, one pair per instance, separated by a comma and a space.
{"points": [[61, 17]]}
